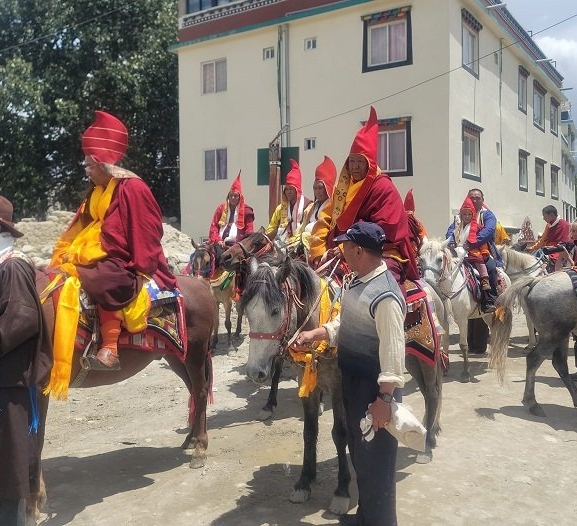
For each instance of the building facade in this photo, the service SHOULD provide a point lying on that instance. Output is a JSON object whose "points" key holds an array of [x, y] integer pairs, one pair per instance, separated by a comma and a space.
{"points": [[464, 97]]}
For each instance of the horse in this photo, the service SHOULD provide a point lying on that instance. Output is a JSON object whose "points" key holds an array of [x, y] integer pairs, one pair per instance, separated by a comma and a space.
{"points": [[195, 371], [446, 274], [522, 264], [277, 299], [206, 262], [550, 303]]}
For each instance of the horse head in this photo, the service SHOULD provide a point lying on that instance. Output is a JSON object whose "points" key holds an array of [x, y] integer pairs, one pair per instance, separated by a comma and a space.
{"points": [[256, 244], [202, 262], [435, 259], [279, 294]]}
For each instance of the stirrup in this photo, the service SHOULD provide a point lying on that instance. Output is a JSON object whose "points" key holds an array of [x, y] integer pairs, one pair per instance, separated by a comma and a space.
{"points": [[104, 360]]}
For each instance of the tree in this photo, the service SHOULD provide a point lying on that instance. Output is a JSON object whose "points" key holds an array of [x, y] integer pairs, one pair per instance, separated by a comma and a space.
{"points": [[60, 61]]}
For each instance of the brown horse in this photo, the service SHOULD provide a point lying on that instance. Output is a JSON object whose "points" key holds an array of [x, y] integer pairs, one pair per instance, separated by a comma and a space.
{"points": [[195, 371]]}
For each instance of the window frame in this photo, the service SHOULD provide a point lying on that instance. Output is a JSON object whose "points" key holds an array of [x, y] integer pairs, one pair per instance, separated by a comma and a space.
{"points": [[555, 182], [470, 27], [217, 88], [539, 94], [540, 176], [310, 143], [387, 19], [524, 160], [310, 43], [268, 53], [216, 164], [470, 131], [522, 78], [554, 116], [387, 129]]}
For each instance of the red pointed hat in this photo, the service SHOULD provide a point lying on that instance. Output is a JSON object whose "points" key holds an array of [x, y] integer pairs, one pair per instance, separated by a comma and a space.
{"points": [[106, 139], [294, 177], [236, 185], [468, 204], [409, 201], [326, 173], [367, 138]]}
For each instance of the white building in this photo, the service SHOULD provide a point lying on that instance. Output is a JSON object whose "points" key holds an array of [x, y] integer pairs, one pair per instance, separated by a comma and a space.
{"points": [[464, 96]]}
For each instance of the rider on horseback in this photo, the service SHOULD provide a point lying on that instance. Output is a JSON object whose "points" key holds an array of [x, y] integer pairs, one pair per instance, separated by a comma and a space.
{"points": [[111, 247]]}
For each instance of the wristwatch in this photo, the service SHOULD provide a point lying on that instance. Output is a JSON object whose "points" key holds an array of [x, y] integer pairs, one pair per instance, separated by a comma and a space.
{"points": [[386, 397]]}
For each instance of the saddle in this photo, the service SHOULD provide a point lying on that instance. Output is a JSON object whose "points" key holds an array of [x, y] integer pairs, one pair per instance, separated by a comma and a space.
{"points": [[165, 325], [422, 327]]}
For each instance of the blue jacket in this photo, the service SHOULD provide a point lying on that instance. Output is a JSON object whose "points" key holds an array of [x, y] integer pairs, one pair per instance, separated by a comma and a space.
{"points": [[485, 234]]}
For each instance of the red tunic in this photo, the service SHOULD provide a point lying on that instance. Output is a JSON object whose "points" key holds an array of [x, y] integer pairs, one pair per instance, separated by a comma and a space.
{"points": [[214, 232]]}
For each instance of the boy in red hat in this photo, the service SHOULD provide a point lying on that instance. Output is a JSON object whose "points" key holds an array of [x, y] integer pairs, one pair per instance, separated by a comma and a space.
{"points": [[232, 220], [111, 247], [287, 218], [323, 188]]}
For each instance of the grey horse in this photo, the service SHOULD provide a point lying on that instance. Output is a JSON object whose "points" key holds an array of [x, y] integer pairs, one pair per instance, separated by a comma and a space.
{"points": [[552, 306]]}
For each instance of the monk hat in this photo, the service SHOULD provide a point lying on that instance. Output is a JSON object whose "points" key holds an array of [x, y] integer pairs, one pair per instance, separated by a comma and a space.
{"points": [[235, 187], [409, 201], [326, 173], [6, 210], [106, 139], [294, 177], [367, 138]]}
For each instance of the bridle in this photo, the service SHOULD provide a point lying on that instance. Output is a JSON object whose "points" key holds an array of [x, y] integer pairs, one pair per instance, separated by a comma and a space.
{"points": [[266, 248], [539, 262], [209, 267], [445, 274]]}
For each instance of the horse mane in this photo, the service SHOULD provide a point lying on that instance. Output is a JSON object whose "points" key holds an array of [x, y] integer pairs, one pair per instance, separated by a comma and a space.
{"points": [[516, 258], [263, 282]]}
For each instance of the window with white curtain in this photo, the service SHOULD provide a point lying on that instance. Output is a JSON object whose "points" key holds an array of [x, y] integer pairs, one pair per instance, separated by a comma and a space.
{"points": [[215, 164], [554, 182], [387, 40], [540, 177], [213, 76], [394, 151], [471, 137], [523, 171], [470, 29]]}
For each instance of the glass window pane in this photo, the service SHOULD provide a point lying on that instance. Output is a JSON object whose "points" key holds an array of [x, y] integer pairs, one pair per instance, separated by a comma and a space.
{"points": [[209, 165], [398, 41], [208, 78], [221, 163], [221, 75], [378, 45], [382, 151], [397, 151]]}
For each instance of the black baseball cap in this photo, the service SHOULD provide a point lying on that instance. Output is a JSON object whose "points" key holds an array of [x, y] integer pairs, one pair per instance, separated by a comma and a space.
{"points": [[364, 234]]}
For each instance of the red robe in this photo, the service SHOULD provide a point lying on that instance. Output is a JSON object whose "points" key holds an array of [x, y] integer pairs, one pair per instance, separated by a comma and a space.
{"points": [[214, 232]]}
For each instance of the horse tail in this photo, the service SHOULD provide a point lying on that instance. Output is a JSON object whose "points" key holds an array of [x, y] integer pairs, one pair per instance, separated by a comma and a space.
{"points": [[503, 324]]}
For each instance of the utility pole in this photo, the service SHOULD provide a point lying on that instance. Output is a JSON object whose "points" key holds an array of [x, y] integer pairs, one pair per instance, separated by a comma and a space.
{"points": [[274, 162]]}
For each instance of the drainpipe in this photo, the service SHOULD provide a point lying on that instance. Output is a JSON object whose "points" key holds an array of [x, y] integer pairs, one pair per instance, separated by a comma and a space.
{"points": [[284, 105], [500, 103]]}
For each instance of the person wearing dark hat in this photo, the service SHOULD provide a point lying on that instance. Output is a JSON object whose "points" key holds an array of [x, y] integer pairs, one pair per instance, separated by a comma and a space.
{"points": [[232, 220], [25, 361], [371, 343], [111, 247]]}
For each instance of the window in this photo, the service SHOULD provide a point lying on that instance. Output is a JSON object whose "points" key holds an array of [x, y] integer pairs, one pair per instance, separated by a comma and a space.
{"points": [[470, 28], [394, 151], [310, 43], [523, 171], [522, 89], [214, 76], [554, 182], [540, 177], [471, 150], [215, 164], [192, 6], [387, 39], [310, 143], [539, 105], [554, 117], [268, 53]]}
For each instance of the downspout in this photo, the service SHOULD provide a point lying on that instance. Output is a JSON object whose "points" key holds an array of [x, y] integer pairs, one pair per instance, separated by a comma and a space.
{"points": [[284, 105], [500, 104]]}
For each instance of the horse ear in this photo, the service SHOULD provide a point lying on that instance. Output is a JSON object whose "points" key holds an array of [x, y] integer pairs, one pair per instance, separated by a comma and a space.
{"points": [[284, 270], [445, 243], [195, 246], [252, 265]]}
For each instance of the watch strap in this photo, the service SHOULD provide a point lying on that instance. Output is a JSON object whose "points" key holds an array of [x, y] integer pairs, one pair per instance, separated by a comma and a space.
{"points": [[386, 397]]}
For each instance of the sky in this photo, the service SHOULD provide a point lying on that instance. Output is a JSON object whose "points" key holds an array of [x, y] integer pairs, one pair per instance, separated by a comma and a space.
{"points": [[559, 42]]}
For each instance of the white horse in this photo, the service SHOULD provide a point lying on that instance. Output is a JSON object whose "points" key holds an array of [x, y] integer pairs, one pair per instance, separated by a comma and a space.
{"points": [[446, 273], [519, 265]]}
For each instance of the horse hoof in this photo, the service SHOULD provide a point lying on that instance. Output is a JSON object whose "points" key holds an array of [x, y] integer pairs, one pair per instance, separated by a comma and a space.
{"points": [[537, 410], [424, 458], [232, 351], [300, 496], [264, 415], [321, 411], [197, 462], [465, 378], [339, 505]]}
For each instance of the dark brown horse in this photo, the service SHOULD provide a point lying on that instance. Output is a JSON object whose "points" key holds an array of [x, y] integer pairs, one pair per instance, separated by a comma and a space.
{"points": [[195, 371]]}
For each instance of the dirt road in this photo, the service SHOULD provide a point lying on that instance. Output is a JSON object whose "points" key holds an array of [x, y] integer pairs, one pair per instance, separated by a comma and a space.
{"points": [[112, 455]]}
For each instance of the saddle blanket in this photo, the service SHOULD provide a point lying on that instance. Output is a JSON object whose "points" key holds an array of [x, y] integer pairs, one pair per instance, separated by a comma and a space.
{"points": [[422, 328]]}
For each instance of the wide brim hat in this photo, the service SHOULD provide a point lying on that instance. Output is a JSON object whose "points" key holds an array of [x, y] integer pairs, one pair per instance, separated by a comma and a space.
{"points": [[6, 211]]}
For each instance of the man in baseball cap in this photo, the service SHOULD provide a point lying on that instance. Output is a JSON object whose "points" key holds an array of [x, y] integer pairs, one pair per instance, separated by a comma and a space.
{"points": [[367, 235]]}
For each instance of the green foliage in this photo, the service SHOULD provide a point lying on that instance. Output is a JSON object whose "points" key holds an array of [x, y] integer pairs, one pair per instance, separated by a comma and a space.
{"points": [[62, 59]]}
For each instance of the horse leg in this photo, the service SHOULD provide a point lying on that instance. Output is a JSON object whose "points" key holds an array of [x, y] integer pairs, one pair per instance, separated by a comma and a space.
{"points": [[216, 324], [534, 360], [302, 489], [466, 374], [239, 311], [267, 411], [228, 322], [560, 365]]}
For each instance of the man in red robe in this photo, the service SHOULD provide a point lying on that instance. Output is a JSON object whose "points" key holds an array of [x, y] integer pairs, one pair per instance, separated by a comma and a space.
{"points": [[556, 232], [114, 239], [364, 193], [232, 220]]}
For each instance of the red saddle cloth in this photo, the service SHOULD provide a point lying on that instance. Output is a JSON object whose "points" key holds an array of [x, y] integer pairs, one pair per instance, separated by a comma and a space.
{"points": [[421, 327]]}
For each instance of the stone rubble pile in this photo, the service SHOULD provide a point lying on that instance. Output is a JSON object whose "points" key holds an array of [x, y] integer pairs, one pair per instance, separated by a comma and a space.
{"points": [[41, 236]]}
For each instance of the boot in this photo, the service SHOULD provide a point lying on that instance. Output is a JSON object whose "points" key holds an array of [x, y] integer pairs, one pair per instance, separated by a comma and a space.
{"points": [[487, 302], [106, 359], [485, 284]]}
